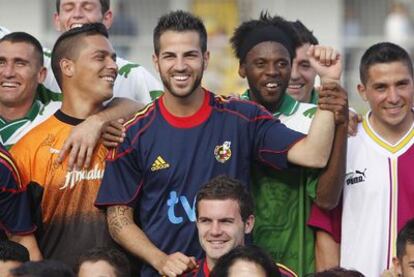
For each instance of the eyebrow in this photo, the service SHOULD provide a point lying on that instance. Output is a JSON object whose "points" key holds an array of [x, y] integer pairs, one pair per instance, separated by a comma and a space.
{"points": [[105, 52], [18, 59], [185, 53]]}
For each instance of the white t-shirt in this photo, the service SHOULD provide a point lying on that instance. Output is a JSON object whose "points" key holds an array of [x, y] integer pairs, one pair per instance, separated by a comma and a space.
{"points": [[377, 197]]}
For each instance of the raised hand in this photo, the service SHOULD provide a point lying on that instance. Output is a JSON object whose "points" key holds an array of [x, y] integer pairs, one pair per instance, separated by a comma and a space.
{"points": [[326, 61]]}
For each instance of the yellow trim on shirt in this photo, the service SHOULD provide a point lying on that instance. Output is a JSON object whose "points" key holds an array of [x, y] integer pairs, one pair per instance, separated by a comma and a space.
{"points": [[392, 148]]}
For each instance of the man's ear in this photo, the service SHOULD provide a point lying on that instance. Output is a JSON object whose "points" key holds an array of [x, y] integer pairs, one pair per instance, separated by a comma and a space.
{"points": [[242, 70], [206, 58], [56, 22], [41, 75], [107, 19], [155, 61], [67, 67], [397, 266], [249, 224], [362, 91]]}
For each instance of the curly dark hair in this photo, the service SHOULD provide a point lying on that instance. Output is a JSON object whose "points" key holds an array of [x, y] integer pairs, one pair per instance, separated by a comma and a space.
{"points": [[265, 19]]}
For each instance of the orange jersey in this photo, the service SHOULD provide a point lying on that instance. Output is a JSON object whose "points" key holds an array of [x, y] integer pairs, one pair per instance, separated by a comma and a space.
{"points": [[68, 222]]}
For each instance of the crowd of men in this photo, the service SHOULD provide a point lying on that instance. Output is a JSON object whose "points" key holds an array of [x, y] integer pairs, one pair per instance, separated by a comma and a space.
{"points": [[106, 172]]}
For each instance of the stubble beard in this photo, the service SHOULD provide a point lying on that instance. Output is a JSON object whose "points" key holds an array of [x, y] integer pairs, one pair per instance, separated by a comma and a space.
{"points": [[171, 90]]}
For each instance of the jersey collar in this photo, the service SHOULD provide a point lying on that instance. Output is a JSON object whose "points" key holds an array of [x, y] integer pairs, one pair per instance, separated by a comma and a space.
{"points": [[67, 118], [188, 121], [288, 106], [381, 142], [30, 115], [206, 270]]}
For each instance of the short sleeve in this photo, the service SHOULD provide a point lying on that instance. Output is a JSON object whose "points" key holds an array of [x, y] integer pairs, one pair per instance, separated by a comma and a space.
{"points": [[122, 179], [273, 142], [328, 221], [15, 214]]}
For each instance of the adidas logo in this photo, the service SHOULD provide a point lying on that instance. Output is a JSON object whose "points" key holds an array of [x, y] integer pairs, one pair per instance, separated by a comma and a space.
{"points": [[159, 164]]}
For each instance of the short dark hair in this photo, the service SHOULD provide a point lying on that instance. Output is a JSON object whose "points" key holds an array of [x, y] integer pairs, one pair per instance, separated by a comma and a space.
{"points": [[223, 187], [405, 236], [336, 272], [67, 45], [105, 4], [179, 21], [249, 253], [43, 268], [265, 20], [112, 256], [304, 34], [13, 251], [383, 52], [17, 37]]}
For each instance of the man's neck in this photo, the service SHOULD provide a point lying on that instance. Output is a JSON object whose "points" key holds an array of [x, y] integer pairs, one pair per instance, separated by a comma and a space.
{"points": [[392, 134], [78, 104], [184, 106], [80, 112], [210, 263], [13, 113], [271, 107]]}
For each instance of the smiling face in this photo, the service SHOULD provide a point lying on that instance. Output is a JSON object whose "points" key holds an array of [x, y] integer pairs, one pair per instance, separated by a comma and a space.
{"points": [[75, 13], [302, 78], [93, 71], [267, 69], [181, 63], [389, 91], [20, 74], [220, 227]]}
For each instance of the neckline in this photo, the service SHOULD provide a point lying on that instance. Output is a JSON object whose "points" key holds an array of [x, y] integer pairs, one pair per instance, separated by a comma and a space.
{"points": [[187, 121]]}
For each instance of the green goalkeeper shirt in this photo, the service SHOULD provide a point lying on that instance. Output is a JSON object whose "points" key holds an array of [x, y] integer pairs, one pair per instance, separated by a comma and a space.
{"points": [[283, 199]]}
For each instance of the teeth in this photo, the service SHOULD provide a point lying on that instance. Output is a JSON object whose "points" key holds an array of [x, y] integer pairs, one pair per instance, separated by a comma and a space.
{"points": [[180, 77], [76, 25], [295, 86], [272, 85], [109, 79], [216, 242], [394, 107], [9, 84]]}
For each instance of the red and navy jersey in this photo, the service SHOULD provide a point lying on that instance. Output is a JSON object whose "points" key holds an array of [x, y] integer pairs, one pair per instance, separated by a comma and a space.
{"points": [[202, 270], [15, 215], [164, 161]]}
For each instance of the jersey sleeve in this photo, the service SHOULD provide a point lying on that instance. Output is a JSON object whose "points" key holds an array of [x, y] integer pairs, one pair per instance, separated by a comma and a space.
{"points": [[328, 221], [15, 216], [273, 141], [153, 86], [22, 158], [136, 83], [122, 179]]}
